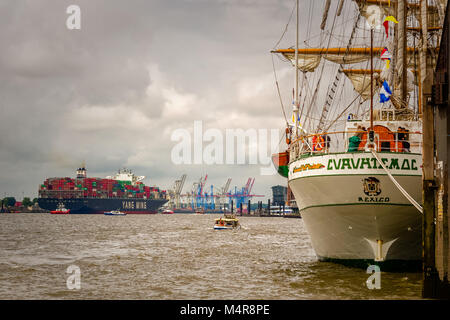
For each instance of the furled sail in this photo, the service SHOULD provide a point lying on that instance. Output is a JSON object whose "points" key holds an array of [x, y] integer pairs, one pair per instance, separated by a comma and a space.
{"points": [[361, 81], [370, 8], [306, 63], [410, 83], [309, 58], [373, 13], [309, 62], [346, 58]]}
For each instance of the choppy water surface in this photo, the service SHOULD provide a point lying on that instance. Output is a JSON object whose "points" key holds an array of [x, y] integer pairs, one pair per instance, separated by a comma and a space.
{"points": [[176, 257]]}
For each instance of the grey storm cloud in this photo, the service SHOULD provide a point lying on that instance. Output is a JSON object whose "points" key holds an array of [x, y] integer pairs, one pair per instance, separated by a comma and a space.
{"points": [[112, 93]]}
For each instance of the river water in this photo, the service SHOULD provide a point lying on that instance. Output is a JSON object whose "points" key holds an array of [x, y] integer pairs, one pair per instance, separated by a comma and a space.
{"points": [[175, 257]]}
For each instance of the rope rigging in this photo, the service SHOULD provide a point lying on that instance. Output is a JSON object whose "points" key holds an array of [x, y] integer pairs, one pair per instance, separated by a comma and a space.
{"points": [[313, 99], [273, 66]]}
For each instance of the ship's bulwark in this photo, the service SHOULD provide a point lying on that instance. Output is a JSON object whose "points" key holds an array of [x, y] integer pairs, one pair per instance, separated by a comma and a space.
{"points": [[99, 206]]}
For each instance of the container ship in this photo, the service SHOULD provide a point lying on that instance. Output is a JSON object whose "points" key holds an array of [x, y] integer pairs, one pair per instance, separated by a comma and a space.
{"points": [[124, 191]]}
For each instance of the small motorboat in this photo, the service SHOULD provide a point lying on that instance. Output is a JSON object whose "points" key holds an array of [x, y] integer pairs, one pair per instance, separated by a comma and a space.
{"points": [[115, 213], [228, 222], [199, 211], [61, 209], [167, 211]]}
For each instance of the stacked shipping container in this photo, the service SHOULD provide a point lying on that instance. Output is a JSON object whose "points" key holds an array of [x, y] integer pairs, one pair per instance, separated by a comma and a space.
{"points": [[67, 188]]}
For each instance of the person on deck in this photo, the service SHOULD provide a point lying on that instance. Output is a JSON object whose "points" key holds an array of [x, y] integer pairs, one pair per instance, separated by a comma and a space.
{"points": [[406, 144], [403, 137], [355, 140], [327, 141]]}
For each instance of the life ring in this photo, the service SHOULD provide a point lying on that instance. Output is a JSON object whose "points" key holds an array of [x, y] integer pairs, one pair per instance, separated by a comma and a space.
{"points": [[318, 143], [288, 136]]}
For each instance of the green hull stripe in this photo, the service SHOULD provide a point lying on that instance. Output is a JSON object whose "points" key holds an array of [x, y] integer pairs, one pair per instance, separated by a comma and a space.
{"points": [[358, 174], [358, 204]]}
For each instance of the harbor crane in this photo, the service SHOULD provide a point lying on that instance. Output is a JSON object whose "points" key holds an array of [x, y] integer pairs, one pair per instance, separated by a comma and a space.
{"points": [[244, 195], [175, 193], [221, 197]]}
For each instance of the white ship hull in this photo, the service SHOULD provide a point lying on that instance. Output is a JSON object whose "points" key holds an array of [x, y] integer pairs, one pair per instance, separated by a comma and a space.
{"points": [[351, 208]]}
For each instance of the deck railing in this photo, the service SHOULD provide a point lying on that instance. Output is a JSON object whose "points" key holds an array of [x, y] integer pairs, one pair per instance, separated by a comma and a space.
{"points": [[342, 141]]}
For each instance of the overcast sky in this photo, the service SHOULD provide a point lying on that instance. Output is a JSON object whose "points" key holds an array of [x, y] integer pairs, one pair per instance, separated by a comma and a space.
{"points": [[112, 93]]}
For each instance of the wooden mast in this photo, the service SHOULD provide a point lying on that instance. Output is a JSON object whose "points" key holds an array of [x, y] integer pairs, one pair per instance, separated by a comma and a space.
{"points": [[371, 85], [402, 11], [423, 50], [339, 51], [296, 102]]}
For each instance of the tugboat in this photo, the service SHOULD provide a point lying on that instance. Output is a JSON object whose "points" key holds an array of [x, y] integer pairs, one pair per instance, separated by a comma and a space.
{"points": [[61, 209], [167, 211], [228, 222]]}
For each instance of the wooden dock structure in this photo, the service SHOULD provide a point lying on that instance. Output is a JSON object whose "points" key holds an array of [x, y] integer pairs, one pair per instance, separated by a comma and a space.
{"points": [[436, 124]]}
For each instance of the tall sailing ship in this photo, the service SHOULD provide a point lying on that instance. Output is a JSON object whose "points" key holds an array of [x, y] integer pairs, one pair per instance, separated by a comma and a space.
{"points": [[354, 157]]}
